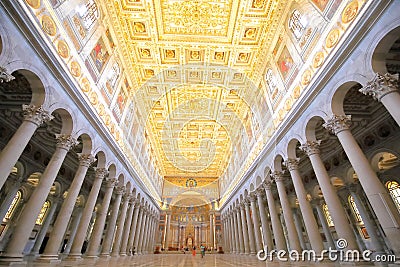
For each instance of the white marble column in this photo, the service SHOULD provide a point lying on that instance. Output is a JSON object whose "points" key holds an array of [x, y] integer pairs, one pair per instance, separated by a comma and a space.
{"points": [[250, 229], [127, 197], [112, 222], [12, 191], [305, 207], [368, 223], [73, 228], [45, 227], [294, 243], [143, 231], [342, 225], [51, 251], [212, 230], [127, 228], [266, 232], [244, 229], [27, 219], [379, 197], [133, 226], [167, 230], [33, 118], [241, 248], [138, 229], [385, 89], [280, 242], [256, 222], [236, 231], [232, 232], [98, 229], [87, 213], [299, 228], [325, 226]]}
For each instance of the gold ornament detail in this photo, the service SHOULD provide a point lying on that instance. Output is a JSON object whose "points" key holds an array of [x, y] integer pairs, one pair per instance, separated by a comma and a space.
{"points": [[63, 49], [318, 59], [48, 25], [333, 38], [350, 12], [75, 69], [306, 78], [33, 3]]}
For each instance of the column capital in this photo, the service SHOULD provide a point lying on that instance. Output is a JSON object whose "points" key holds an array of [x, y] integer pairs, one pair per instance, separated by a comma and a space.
{"points": [[86, 159], [119, 190], [252, 197], [278, 176], [311, 147], [267, 185], [131, 199], [36, 115], [111, 182], [338, 123], [5, 76], [100, 173], [381, 85], [65, 141], [292, 164], [259, 192]]}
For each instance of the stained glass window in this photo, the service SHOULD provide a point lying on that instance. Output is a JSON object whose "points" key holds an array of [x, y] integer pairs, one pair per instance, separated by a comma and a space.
{"points": [[327, 215], [43, 212], [355, 211], [394, 190], [13, 206]]}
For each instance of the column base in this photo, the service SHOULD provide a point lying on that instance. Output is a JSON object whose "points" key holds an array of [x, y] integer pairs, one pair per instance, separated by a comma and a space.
{"points": [[123, 255], [12, 260], [105, 256], [74, 257], [48, 259]]}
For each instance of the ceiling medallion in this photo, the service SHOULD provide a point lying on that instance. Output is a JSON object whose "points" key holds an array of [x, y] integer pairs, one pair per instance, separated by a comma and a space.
{"points": [[75, 69], [350, 12], [63, 49], [48, 25], [33, 3], [318, 59], [333, 38]]}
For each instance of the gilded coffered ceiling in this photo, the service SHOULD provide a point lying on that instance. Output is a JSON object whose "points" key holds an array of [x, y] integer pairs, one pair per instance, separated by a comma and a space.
{"points": [[190, 62], [192, 91]]}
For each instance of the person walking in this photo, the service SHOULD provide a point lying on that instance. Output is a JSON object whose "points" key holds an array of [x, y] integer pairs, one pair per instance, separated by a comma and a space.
{"points": [[194, 251], [202, 250]]}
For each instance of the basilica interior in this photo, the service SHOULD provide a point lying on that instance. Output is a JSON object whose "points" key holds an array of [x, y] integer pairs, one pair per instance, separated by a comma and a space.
{"points": [[135, 129]]}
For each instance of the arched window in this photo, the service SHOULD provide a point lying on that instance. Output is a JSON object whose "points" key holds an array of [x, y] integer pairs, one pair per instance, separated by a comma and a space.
{"points": [[43, 212], [327, 215], [355, 211], [297, 24], [13, 206], [394, 190]]}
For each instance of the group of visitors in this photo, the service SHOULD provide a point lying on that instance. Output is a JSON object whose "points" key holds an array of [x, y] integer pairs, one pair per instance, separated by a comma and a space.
{"points": [[202, 250]]}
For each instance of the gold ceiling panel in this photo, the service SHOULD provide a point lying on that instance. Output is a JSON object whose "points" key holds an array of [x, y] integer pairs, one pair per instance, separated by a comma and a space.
{"points": [[190, 62]]}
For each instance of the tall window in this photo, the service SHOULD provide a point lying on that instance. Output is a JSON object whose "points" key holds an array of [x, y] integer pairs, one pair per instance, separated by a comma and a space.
{"points": [[355, 211], [394, 190], [13, 206], [43, 212], [297, 24], [327, 215]]}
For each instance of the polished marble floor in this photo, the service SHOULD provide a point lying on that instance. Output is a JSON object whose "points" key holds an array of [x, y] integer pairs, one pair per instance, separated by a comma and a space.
{"points": [[182, 260]]}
